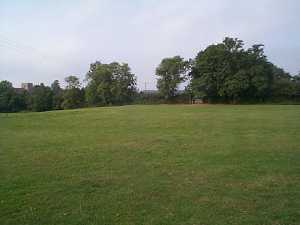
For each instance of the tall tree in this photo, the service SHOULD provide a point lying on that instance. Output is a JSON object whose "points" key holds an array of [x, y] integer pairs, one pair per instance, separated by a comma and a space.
{"points": [[227, 72], [124, 86], [6, 96], [72, 82], [19, 101], [296, 81], [73, 95], [57, 95], [110, 84], [282, 85], [171, 72], [41, 98], [10, 99], [100, 84]]}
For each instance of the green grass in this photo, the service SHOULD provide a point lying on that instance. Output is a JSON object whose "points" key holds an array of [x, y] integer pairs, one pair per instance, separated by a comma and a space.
{"points": [[151, 165]]}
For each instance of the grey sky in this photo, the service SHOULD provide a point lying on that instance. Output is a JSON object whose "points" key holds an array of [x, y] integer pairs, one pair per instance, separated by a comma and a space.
{"points": [[41, 41]]}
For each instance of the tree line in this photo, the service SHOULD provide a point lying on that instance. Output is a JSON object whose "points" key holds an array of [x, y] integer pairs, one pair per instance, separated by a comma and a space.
{"points": [[222, 73], [107, 84], [228, 73]]}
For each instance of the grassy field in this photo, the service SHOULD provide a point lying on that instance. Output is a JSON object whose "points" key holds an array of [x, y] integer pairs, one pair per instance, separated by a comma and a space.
{"points": [[151, 165]]}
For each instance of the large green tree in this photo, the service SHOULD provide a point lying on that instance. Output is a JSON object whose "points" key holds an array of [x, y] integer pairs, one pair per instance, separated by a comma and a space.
{"points": [[73, 94], [171, 72], [6, 93], [227, 72], [41, 98], [10, 99], [108, 84], [296, 81], [283, 86], [6, 96], [57, 95]]}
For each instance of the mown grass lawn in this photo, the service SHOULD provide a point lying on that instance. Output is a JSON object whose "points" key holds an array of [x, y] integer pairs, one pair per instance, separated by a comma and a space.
{"points": [[151, 165]]}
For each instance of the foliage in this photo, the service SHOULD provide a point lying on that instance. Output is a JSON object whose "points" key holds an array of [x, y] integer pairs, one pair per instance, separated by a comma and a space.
{"points": [[72, 82], [6, 95], [229, 73], [283, 85], [57, 95], [171, 72], [10, 99], [73, 95], [296, 81], [224, 72], [148, 97], [110, 84], [40, 98]]}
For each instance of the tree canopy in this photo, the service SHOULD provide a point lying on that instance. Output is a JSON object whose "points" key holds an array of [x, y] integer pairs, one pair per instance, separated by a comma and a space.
{"points": [[109, 84], [73, 95], [171, 72], [40, 98], [10, 100], [225, 72]]}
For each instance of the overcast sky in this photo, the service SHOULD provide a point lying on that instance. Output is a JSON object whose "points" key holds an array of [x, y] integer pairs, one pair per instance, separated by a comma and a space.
{"points": [[41, 41]]}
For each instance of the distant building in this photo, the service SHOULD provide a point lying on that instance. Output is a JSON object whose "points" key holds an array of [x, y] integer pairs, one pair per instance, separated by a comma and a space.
{"points": [[24, 87], [27, 86], [19, 90]]}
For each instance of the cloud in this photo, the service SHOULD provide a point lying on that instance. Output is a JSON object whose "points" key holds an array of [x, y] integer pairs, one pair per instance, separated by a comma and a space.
{"points": [[47, 40]]}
